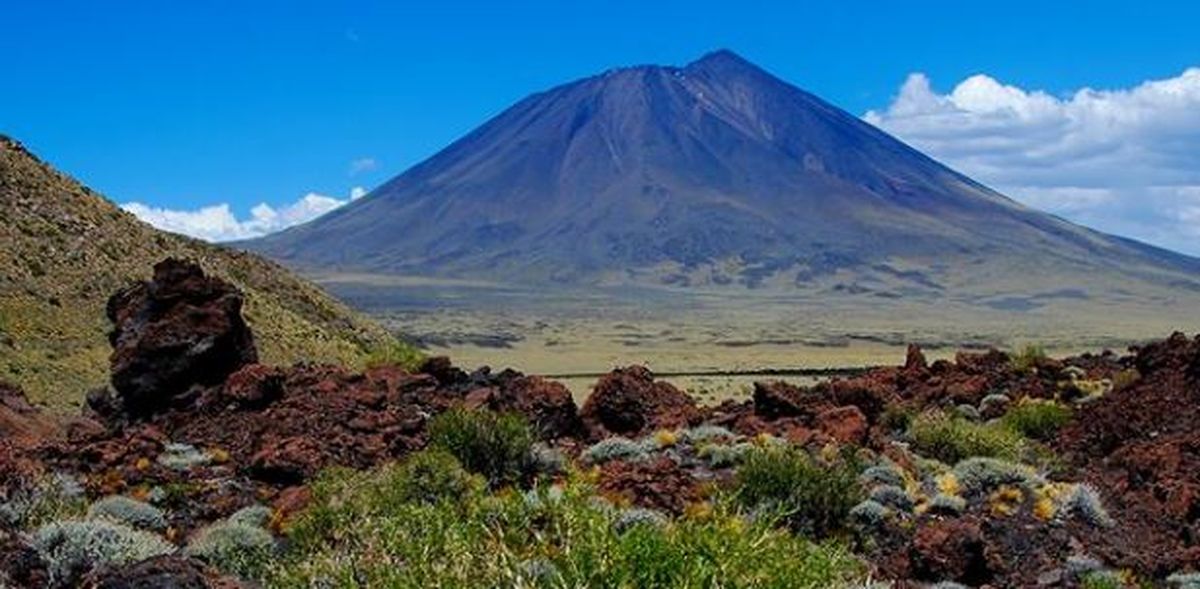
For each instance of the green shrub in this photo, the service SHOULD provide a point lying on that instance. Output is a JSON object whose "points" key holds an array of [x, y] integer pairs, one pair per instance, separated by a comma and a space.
{"points": [[1037, 419], [1027, 358], [494, 445], [812, 497], [130, 512], [561, 537], [394, 353], [72, 548], [233, 547], [430, 476], [1103, 579], [951, 439]]}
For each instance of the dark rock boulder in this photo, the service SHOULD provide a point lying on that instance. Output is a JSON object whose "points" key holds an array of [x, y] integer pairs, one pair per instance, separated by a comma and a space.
{"points": [[178, 330], [162, 572], [629, 402], [547, 405]]}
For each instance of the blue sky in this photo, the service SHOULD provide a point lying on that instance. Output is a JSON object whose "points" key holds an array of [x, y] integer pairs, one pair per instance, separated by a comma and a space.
{"points": [[184, 105]]}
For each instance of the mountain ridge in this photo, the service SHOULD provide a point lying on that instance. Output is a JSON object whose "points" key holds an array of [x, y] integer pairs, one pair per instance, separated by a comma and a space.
{"points": [[64, 249], [716, 173]]}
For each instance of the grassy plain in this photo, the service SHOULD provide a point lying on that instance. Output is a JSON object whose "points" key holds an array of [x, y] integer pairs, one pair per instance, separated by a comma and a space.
{"points": [[716, 344]]}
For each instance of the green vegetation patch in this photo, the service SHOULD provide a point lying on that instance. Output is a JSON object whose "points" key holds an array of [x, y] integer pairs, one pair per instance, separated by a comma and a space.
{"points": [[811, 496], [366, 529], [952, 439]]}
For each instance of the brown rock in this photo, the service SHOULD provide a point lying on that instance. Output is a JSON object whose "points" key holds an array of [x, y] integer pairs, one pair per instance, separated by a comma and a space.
{"points": [[161, 572], [845, 424], [253, 386], [949, 550], [547, 405], [658, 484], [774, 400], [629, 402], [179, 330], [288, 461]]}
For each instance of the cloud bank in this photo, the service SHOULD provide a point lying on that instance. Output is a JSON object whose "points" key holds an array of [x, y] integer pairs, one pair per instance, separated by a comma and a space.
{"points": [[1126, 161], [219, 223]]}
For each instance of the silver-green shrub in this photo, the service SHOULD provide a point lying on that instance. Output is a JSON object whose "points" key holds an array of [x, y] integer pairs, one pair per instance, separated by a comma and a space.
{"points": [[707, 433], [234, 548], [1184, 580], [615, 448], [721, 456], [892, 496], [944, 504], [253, 515], [979, 475], [869, 514], [883, 474], [130, 512], [1084, 502], [183, 457], [74, 547]]}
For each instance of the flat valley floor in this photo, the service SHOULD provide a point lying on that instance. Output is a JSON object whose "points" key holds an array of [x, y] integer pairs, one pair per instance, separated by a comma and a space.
{"points": [[716, 344]]}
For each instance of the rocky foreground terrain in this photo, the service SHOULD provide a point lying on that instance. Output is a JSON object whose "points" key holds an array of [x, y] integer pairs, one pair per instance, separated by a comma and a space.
{"points": [[200, 467]]}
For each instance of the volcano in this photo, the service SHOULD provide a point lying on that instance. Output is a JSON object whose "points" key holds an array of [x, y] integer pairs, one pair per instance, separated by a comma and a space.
{"points": [[711, 175]]}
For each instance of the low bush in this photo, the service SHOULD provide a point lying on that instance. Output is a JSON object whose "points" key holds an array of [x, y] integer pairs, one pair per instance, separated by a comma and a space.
{"points": [[615, 448], [812, 497], [495, 445], [564, 537], [978, 476], [233, 547], [130, 512], [72, 548], [1037, 419], [50, 498], [394, 353], [951, 439], [1027, 358]]}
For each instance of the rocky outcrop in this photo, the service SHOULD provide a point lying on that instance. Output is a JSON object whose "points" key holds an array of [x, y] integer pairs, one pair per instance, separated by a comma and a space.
{"points": [[547, 405], [629, 402], [179, 330], [162, 572]]}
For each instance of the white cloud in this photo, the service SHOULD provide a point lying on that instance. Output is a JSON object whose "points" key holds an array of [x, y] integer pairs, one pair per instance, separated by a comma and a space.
{"points": [[1125, 161], [219, 223], [365, 164]]}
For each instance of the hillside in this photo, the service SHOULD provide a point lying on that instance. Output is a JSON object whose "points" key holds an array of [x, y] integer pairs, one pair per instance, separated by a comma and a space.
{"points": [[715, 175], [64, 249]]}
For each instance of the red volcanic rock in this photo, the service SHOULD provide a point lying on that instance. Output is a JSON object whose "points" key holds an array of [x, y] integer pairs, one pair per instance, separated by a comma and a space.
{"points": [[21, 422], [547, 405], [658, 484], [629, 402], [950, 550], [160, 572], [254, 386], [1139, 446], [178, 330], [914, 359], [288, 460], [20, 564], [774, 400], [846, 424]]}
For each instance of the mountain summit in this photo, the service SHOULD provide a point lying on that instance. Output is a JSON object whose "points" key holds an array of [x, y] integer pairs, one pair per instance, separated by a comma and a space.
{"points": [[712, 174]]}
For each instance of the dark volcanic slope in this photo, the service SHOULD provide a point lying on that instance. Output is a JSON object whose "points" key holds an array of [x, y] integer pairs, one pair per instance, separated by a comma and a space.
{"points": [[714, 173]]}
